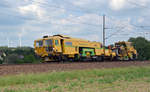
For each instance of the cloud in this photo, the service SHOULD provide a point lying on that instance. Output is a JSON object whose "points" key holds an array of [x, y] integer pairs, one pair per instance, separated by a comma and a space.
{"points": [[81, 2], [3, 4], [140, 20], [117, 4], [83, 19], [92, 6], [138, 3], [86, 2], [32, 9]]}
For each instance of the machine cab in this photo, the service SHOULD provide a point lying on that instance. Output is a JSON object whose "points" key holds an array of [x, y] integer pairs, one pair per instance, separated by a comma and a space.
{"points": [[39, 47], [52, 45], [48, 45]]}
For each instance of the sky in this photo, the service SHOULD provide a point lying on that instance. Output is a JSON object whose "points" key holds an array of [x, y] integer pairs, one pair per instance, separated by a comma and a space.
{"points": [[28, 20]]}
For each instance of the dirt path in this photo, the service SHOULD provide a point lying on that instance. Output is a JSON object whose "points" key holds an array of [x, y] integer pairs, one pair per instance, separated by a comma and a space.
{"points": [[36, 68]]}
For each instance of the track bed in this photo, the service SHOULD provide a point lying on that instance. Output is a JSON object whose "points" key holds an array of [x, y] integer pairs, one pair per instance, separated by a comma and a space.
{"points": [[50, 67]]}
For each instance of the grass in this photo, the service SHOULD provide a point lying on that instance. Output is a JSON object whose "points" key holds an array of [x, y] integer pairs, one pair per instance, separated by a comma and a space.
{"points": [[78, 81]]}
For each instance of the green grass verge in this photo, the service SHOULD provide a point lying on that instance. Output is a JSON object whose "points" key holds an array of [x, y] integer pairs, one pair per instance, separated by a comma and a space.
{"points": [[75, 78]]}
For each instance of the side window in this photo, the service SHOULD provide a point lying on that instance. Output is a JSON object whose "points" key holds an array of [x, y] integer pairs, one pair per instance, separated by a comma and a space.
{"points": [[48, 42], [69, 43], [39, 43], [56, 42]]}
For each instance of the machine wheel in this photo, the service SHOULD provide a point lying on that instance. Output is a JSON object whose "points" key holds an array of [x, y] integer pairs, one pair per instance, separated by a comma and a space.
{"points": [[46, 59], [126, 58], [101, 58], [64, 59], [132, 57], [94, 58], [117, 58], [76, 57], [60, 59], [111, 58]]}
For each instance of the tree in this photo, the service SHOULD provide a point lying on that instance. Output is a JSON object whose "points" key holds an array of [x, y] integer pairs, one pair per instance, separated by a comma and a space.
{"points": [[142, 46]]}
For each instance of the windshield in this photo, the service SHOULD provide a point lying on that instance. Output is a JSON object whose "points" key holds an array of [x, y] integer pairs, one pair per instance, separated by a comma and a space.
{"points": [[39, 43], [48, 42]]}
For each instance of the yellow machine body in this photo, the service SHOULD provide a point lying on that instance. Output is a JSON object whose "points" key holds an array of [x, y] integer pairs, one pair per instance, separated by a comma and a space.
{"points": [[125, 51], [109, 54], [60, 47]]}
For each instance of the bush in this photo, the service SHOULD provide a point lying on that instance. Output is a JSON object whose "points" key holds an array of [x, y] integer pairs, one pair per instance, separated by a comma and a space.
{"points": [[20, 59], [12, 59], [29, 59]]}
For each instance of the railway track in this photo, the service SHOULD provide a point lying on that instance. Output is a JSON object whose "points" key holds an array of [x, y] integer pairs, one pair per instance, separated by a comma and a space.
{"points": [[68, 62], [13, 69]]}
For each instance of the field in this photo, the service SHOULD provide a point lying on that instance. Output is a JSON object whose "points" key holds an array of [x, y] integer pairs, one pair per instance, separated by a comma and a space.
{"points": [[87, 77]]}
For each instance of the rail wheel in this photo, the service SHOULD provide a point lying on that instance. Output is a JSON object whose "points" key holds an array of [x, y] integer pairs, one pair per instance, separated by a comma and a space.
{"points": [[132, 58], [77, 57], [101, 58], [46, 59]]}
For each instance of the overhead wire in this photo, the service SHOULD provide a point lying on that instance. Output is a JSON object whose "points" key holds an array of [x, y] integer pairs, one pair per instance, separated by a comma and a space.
{"points": [[115, 33], [136, 26], [142, 6], [141, 27], [117, 28]]}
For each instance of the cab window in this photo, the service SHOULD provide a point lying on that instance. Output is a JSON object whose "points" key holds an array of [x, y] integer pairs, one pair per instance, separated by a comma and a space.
{"points": [[69, 43], [39, 43], [48, 42], [56, 42]]}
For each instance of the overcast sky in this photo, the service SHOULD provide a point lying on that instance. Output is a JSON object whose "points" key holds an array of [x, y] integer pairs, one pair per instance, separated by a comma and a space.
{"points": [[31, 19]]}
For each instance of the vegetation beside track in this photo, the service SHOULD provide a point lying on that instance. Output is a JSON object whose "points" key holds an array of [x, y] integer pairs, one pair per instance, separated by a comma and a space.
{"points": [[102, 80], [18, 55]]}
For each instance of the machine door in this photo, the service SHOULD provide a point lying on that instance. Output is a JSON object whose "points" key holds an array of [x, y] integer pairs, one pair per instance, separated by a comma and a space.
{"points": [[39, 48], [49, 45], [62, 45], [57, 46]]}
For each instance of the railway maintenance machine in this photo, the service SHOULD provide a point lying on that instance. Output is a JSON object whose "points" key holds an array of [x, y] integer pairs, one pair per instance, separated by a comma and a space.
{"points": [[124, 51], [61, 48]]}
